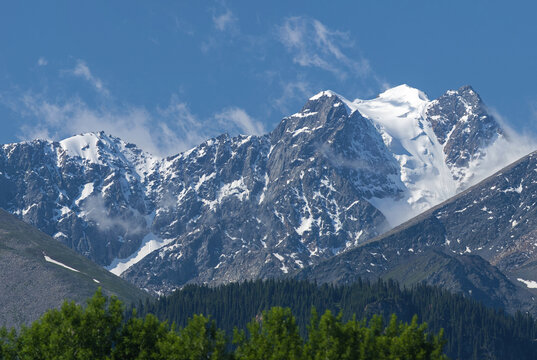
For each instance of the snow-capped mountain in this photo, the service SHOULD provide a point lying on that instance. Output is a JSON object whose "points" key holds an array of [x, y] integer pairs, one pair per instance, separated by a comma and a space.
{"points": [[437, 144], [481, 242], [327, 178], [87, 191]]}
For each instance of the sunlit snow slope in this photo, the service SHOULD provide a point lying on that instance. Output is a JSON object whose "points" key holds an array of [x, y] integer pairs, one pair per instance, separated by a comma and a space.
{"points": [[326, 179], [419, 134]]}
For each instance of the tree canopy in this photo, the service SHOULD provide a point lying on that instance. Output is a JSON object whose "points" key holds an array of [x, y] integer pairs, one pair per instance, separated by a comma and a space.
{"points": [[101, 330]]}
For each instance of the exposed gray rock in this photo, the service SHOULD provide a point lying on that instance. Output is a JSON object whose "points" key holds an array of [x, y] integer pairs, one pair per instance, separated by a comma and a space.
{"points": [[463, 125], [482, 242], [241, 207]]}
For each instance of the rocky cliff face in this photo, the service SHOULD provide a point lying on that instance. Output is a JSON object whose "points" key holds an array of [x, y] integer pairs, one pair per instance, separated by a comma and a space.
{"points": [[464, 128], [327, 179], [488, 230]]}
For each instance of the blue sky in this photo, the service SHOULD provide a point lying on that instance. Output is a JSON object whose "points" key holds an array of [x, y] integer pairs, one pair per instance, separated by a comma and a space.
{"points": [[168, 74]]}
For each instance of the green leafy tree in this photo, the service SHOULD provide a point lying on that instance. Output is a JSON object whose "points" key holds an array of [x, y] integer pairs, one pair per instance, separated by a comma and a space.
{"points": [[414, 342], [326, 337], [99, 331], [274, 336], [73, 332], [199, 339], [141, 338], [8, 344]]}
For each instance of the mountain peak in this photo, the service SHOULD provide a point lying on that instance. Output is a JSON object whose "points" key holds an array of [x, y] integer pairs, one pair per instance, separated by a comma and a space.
{"points": [[84, 146], [325, 179], [327, 93], [465, 91], [466, 88], [404, 93], [101, 148]]}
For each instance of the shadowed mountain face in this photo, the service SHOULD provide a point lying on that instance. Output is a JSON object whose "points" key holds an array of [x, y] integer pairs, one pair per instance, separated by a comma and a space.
{"points": [[463, 126], [327, 179], [38, 273], [482, 242]]}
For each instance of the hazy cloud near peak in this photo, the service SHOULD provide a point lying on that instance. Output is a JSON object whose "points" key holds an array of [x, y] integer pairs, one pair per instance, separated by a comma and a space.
{"points": [[291, 91], [58, 120], [505, 150], [240, 120], [162, 132], [313, 44], [83, 71]]}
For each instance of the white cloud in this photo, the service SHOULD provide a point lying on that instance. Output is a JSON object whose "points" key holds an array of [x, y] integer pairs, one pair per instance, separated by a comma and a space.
{"points": [[97, 211], [224, 21], [83, 71], [501, 153], [312, 44], [240, 120], [504, 151], [179, 129], [162, 132], [42, 61], [291, 91]]}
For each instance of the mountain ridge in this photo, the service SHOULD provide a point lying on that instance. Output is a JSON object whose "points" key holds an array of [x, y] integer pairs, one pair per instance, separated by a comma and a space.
{"points": [[38, 273], [493, 222], [324, 180]]}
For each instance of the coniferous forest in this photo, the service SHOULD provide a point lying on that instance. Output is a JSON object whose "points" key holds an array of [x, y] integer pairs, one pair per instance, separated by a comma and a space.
{"points": [[278, 319], [471, 330], [101, 331]]}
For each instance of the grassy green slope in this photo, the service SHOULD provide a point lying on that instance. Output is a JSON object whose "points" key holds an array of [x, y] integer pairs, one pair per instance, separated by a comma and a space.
{"points": [[29, 285]]}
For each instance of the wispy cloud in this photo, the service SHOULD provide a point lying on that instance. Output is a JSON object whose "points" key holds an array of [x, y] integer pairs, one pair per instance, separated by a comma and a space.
{"points": [[161, 131], [98, 211], [83, 71], [505, 150], [225, 20], [292, 91], [313, 44], [240, 120], [42, 61], [226, 24], [180, 25], [179, 129]]}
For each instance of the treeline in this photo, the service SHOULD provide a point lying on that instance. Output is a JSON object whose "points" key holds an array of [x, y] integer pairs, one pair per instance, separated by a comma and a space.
{"points": [[472, 331], [100, 331]]}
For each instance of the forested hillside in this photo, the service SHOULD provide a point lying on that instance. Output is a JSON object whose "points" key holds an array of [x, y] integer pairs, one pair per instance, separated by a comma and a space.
{"points": [[100, 331], [472, 330]]}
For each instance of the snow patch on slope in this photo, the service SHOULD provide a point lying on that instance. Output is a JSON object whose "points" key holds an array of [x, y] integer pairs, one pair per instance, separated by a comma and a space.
{"points": [[150, 243], [102, 149], [50, 260], [83, 146], [328, 93], [398, 115], [87, 190], [529, 283]]}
